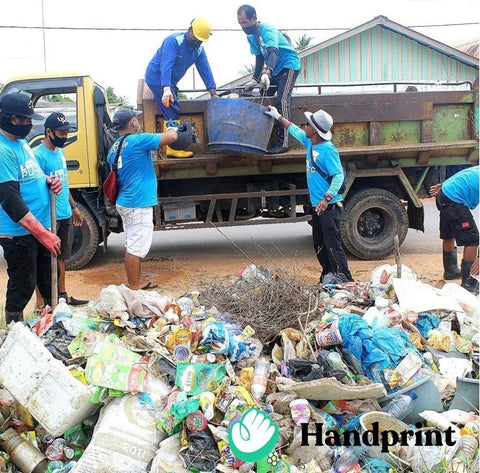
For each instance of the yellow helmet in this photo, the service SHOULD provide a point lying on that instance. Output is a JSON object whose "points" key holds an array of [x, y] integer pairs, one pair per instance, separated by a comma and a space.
{"points": [[201, 28]]}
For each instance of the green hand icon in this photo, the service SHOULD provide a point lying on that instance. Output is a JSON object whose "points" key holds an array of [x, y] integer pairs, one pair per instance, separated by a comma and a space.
{"points": [[254, 436]]}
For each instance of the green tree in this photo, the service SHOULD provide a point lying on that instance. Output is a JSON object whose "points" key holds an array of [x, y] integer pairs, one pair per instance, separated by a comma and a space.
{"points": [[303, 42], [113, 98], [57, 98]]}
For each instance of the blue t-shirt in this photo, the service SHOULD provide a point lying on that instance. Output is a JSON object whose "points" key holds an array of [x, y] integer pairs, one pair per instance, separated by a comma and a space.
{"points": [[463, 187], [270, 37], [18, 163], [326, 157], [53, 163], [136, 178], [173, 59]]}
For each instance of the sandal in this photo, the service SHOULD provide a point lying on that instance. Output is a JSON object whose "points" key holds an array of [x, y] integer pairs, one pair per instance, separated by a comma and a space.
{"points": [[149, 285]]}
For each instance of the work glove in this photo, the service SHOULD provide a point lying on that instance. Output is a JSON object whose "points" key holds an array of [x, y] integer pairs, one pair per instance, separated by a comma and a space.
{"points": [[265, 81], [167, 96], [55, 184], [272, 112], [250, 85], [48, 239]]}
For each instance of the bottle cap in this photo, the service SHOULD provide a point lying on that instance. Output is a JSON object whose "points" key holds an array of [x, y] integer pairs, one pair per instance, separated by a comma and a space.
{"points": [[413, 394]]}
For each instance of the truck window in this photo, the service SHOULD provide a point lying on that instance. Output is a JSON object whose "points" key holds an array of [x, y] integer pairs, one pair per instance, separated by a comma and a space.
{"points": [[47, 104]]}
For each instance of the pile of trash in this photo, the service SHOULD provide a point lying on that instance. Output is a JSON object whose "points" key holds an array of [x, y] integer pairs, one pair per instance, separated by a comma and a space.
{"points": [[368, 376]]}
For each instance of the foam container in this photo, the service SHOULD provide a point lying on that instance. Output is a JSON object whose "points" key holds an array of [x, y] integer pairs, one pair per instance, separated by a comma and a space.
{"points": [[41, 383]]}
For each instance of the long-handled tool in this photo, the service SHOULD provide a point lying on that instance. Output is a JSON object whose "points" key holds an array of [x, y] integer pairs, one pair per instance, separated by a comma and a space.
{"points": [[53, 258]]}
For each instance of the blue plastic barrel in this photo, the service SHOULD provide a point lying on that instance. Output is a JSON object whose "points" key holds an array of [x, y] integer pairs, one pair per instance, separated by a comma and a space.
{"points": [[238, 126]]}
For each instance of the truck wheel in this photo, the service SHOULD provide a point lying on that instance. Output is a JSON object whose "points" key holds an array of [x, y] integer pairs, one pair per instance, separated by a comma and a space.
{"points": [[371, 219], [85, 241]]}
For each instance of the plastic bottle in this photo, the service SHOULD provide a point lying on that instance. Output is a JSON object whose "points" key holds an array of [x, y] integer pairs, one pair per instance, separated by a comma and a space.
{"points": [[346, 461], [62, 311], [401, 405], [259, 381]]}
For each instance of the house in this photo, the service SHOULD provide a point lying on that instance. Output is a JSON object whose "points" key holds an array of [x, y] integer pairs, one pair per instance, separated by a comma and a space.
{"points": [[381, 51]]}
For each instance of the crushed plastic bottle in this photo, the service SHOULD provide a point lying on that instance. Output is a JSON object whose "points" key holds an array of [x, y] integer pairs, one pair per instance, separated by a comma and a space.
{"points": [[346, 461], [62, 311], [259, 381], [401, 405]]}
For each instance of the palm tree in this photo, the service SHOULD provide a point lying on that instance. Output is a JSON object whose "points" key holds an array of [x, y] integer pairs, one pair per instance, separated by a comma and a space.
{"points": [[303, 42]]}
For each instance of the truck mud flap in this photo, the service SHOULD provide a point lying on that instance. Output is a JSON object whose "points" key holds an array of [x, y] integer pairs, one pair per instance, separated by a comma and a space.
{"points": [[416, 217]]}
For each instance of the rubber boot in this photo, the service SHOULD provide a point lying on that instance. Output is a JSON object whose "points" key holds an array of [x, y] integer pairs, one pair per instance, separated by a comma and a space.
{"points": [[13, 316], [450, 265], [468, 283], [175, 153]]}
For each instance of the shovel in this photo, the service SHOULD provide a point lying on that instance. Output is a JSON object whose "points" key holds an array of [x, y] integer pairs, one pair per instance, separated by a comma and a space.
{"points": [[53, 258]]}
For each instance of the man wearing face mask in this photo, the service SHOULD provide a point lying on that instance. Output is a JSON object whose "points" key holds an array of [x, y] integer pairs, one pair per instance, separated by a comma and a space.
{"points": [[176, 55], [282, 65], [51, 158], [24, 208]]}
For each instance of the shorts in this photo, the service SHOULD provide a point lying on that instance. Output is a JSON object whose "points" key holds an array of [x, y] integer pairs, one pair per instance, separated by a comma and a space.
{"points": [[65, 233], [456, 221], [138, 226]]}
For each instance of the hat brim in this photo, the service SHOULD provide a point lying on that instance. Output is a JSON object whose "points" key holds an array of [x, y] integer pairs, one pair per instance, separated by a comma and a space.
{"points": [[64, 128], [33, 116], [326, 136]]}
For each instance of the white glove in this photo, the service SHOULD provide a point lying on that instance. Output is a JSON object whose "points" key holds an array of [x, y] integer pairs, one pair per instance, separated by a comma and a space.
{"points": [[167, 96], [250, 85], [172, 128], [265, 81], [254, 436], [272, 112]]}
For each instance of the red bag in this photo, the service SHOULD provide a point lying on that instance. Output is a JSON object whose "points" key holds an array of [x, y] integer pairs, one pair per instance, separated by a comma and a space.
{"points": [[110, 188]]}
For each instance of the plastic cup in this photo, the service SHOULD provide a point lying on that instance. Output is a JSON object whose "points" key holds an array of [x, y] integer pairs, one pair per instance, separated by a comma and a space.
{"points": [[300, 410]]}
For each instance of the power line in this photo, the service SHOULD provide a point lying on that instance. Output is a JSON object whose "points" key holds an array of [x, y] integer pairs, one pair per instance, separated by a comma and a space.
{"points": [[88, 28]]}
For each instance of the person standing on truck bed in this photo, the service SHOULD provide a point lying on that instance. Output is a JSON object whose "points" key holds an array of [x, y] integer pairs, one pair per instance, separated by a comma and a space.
{"points": [[282, 65], [455, 199], [176, 55], [324, 179], [137, 187], [24, 208], [51, 158]]}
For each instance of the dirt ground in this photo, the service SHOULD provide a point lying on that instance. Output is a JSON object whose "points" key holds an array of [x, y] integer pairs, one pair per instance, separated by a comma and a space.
{"points": [[177, 276]]}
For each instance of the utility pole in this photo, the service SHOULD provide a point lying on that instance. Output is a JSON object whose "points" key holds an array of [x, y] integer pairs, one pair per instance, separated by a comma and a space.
{"points": [[44, 42]]}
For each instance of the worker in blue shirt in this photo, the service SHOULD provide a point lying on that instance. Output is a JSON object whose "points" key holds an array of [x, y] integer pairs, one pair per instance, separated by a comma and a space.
{"points": [[282, 65], [176, 55], [455, 199]]}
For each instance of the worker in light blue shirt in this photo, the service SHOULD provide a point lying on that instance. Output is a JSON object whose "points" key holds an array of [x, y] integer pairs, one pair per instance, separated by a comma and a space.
{"points": [[176, 55], [282, 65], [455, 199]]}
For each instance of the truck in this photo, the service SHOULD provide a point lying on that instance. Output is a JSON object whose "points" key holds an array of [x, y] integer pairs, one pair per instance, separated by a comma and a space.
{"points": [[393, 144]]}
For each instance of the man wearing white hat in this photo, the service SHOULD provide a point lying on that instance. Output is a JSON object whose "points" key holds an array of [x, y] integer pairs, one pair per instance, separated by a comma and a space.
{"points": [[325, 179]]}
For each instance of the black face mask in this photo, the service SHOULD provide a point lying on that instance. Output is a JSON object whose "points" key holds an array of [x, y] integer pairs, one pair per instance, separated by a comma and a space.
{"points": [[57, 141], [194, 43], [19, 131], [252, 29]]}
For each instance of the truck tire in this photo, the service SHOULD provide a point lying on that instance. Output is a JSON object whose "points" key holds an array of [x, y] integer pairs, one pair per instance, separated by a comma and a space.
{"points": [[371, 219], [85, 241]]}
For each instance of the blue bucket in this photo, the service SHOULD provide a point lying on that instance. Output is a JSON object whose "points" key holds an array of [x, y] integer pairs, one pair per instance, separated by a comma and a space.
{"points": [[238, 126]]}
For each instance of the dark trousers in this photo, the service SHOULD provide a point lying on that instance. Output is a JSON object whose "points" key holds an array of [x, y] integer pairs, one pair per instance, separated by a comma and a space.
{"points": [[172, 112], [28, 265], [285, 82], [327, 243]]}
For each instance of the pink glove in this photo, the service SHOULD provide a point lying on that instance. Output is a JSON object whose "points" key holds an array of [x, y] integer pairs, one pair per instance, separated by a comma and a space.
{"points": [[48, 239], [55, 184]]}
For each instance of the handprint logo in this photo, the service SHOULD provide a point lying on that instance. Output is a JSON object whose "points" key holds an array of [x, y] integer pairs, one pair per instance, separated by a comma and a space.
{"points": [[254, 436]]}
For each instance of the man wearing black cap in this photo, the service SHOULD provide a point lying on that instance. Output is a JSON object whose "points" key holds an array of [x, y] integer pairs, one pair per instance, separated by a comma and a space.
{"points": [[51, 158], [324, 179], [137, 187], [24, 208]]}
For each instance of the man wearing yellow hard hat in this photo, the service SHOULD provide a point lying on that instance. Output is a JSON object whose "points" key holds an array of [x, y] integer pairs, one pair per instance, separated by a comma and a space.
{"points": [[177, 53]]}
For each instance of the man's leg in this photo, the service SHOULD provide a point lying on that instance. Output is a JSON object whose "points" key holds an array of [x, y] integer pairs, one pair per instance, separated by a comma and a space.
{"points": [[20, 256], [450, 260], [318, 244], [331, 230], [132, 268], [138, 225], [285, 82]]}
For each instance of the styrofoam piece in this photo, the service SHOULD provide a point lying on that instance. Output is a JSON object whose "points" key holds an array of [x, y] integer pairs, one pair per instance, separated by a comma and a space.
{"points": [[41, 383]]}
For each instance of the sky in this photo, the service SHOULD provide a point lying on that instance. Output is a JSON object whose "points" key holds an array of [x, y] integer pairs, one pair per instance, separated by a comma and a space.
{"points": [[113, 40]]}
